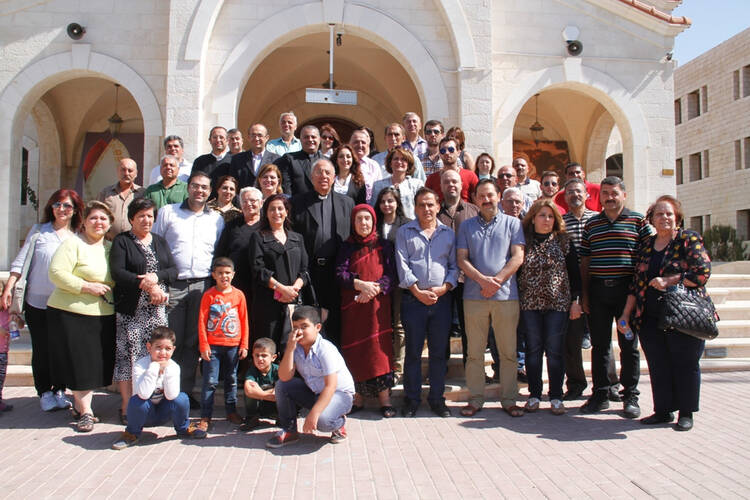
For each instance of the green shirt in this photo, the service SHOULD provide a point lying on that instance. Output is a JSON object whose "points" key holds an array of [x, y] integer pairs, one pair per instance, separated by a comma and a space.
{"points": [[264, 381], [177, 193]]}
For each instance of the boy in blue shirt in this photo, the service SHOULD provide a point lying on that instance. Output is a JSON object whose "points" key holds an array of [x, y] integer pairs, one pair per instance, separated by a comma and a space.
{"points": [[326, 386], [260, 397]]}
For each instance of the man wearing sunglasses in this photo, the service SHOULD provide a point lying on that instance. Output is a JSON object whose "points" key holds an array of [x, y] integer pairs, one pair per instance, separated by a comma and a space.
{"points": [[431, 160], [550, 186], [574, 170], [449, 152]]}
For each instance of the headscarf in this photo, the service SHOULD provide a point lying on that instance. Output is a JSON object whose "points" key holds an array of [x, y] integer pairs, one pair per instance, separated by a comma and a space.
{"points": [[371, 239]]}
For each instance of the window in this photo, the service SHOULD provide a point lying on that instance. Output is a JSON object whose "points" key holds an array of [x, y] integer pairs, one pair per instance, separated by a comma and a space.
{"points": [[736, 85], [738, 155], [704, 100], [743, 225], [678, 171], [694, 164], [696, 223], [746, 81], [693, 104], [705, 163], [746, 148], [677, 111]]}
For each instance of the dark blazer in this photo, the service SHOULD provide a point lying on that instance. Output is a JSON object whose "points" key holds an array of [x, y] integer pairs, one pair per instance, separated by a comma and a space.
{"points": [[358, 194], [241, 167], [214, 168], [400, 221], [127, 261], [306, 220], [295, 172]]}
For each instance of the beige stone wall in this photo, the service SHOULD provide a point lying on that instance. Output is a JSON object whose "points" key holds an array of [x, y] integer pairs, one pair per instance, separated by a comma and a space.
{"points": [[726, 189]]}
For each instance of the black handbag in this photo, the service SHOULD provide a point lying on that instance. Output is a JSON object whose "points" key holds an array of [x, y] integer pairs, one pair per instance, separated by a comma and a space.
{"points": [[685, 310]]}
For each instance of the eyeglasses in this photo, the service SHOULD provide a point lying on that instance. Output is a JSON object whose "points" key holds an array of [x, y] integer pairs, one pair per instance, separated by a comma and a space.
{"points": [[549, 183], [201, 187], [326, 137], [433, 131], [65, 206], [449, 149], [505, 176]]}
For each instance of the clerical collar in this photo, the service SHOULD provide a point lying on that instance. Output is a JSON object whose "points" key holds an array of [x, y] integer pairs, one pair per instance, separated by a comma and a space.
{"points": [[321, 197]]}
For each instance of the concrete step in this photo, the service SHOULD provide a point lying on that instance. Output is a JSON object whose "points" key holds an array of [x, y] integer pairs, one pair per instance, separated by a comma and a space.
{"points": [[734, 310], [729, 280], [19, 376], [721, 295], [736, 267], [733, 328]]}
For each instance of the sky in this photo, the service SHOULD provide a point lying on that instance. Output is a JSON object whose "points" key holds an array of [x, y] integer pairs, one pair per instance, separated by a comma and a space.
{"points": [[714, 21]]}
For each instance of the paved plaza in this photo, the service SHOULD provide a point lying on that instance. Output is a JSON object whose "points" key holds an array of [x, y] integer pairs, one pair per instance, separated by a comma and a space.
{"points": [[488, 456]]}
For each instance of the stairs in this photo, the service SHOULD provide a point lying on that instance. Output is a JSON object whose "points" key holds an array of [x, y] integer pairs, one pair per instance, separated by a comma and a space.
{"points": [[729, 287]]}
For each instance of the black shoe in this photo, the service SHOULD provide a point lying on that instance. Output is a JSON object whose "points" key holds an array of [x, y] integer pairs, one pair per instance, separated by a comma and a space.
{"points": [[614, 395], [456, 331], [658, 418], [410, 409], [572, 395], [630, 407], [595, 404], [684, 423], [250, 423], [522, 377], [194, 403], [586, 341], [441, 410]]}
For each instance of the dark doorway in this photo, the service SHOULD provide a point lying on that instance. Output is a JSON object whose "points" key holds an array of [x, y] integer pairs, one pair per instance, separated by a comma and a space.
{"points": [[343, 126], [614, 165]]}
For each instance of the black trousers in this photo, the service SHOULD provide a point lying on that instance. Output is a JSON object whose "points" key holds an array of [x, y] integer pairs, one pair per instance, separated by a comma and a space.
{"points": [[41, 362], [673, 365], [329, 297], [606, 305], [576, 377]]}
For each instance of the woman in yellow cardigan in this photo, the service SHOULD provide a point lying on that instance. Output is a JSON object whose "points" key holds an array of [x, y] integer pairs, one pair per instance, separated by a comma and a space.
{"points": [[82, 308]]}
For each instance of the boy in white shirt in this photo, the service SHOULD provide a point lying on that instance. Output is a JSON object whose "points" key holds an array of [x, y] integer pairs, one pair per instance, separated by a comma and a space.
{"points": [[156, 392]]}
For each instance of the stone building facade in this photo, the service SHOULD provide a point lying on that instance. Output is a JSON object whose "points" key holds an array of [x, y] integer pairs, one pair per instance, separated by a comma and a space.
{"points": [[712, 119], [186, 65]]}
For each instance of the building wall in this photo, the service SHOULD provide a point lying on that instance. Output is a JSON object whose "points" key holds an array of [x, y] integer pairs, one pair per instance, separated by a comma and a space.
{"points": [[726, 188]]}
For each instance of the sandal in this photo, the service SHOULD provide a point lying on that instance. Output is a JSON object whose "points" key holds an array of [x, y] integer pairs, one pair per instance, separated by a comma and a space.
{"points": [[469, 410], [77, 416], [514, 411], [85, 423], [388, 411]]}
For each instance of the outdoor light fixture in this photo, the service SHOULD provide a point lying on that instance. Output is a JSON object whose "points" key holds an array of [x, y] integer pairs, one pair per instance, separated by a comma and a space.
{"points": [[76, 31], [536, 127], [115, 122]]}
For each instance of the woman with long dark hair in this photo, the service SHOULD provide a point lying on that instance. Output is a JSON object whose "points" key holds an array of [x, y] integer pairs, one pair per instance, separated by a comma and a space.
{"points": [[63, 215]]}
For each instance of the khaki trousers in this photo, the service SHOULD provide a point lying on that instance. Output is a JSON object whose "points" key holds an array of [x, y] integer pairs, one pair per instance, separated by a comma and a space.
{"points": [[502, 315]]}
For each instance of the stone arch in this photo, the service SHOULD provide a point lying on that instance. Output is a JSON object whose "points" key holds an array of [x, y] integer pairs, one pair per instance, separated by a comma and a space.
{"points": [[17, 100], [597, 150], [612, 95], [309, 18]]}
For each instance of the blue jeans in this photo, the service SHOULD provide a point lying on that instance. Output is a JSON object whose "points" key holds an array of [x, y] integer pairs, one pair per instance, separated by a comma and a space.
{"points": [[295, 393], [143, 413], [433, 322], [226, 359], [545, 334]]}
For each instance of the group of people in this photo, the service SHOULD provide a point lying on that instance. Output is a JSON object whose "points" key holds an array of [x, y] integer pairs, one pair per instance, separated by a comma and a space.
{"points": [[220, 262]]}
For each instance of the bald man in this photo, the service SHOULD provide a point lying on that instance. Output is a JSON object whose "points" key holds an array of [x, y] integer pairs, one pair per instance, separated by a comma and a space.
{"points": [[119, 195]]}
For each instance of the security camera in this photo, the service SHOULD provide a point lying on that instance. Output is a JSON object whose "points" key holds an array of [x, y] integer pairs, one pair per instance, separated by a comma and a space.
{"points": [[575, 47], [76, 31], [339, 40]]}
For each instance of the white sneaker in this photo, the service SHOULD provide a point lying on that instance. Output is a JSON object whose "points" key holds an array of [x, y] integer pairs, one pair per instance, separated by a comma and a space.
{"points": [[48, 402], [62, 402]]}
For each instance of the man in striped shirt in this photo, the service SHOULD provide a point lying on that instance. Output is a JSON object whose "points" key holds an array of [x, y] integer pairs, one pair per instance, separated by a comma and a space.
{"points": [[608, 251]]}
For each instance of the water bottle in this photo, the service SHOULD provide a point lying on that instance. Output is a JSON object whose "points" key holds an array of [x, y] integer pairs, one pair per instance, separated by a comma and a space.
{"points": [[13, 329], [628, 333]]}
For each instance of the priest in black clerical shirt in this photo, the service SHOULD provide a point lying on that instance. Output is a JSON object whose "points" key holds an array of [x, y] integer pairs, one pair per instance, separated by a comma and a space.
{"points": [[296, 168], [322, 216], [216, 163]]}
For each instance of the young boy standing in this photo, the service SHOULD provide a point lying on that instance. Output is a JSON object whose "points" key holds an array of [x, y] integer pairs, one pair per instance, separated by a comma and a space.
{"points": [[222, 340], [260, 398], [326, 386], [156, 392]]}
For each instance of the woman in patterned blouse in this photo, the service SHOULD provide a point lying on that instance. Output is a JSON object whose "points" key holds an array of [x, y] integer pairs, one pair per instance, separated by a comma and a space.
{"points": [[673, 357], [549, 286]]}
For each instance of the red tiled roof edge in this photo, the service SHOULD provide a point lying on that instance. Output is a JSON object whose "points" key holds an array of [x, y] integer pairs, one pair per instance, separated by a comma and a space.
{"points": [[653, 11]]}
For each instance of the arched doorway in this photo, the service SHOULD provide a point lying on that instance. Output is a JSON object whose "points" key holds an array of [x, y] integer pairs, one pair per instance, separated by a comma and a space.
{"points": [[385, 89]]}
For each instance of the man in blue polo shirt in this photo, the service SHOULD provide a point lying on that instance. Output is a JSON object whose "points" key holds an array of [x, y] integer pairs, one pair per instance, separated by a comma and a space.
{"points": [[489, 252]]}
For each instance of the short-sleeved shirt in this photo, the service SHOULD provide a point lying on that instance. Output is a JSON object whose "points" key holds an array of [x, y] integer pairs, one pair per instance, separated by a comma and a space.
{"points": [[162, 196], [323, 359], [489, 246], [264, 381], [574, 226], [281, 148], [613, 245]]}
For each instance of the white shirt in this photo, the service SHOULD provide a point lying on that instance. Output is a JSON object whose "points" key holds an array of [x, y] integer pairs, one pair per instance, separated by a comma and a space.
{"points": [[183, 173], [148, 383], [322, 359], [418, 169], [531, 188], [191, 236]]}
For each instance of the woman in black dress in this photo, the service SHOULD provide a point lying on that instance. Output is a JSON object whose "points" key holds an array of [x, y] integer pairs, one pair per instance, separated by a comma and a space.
{"points": [[279, 266]]}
